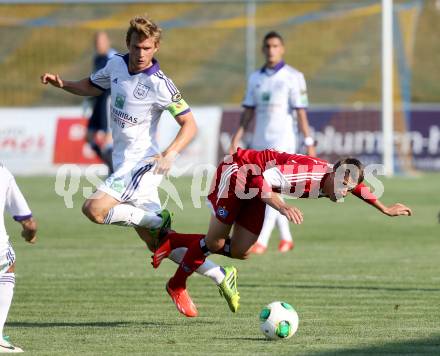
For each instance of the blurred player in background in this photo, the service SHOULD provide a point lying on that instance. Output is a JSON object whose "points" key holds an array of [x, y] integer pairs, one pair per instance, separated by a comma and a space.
{"points": [[140, 92], [274, 93], [11, 200], [239, 194], [98, 131]]}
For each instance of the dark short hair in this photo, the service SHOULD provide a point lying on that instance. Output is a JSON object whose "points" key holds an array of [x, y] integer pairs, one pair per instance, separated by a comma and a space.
{"points": [[347, 164], [272, 34]]}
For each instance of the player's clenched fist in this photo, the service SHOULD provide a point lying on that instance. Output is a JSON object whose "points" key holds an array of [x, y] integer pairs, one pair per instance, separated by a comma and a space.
{"points": [[53, 79], [29, 232]]}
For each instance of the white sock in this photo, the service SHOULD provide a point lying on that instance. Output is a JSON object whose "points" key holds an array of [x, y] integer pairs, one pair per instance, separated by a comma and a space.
{"points": [[208, 268], [270, 217], [7, 282], [129, 215], [283, 226]]}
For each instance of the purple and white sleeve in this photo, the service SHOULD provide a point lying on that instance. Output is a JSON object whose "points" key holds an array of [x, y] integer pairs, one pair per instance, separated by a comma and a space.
{"points": [[298, 98], [101, 79], [16, 204], [169, 97]]}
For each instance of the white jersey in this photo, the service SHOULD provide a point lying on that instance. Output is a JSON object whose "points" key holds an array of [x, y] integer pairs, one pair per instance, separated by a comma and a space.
{"points": [[275, 93], [137, 102], [12, 201]]}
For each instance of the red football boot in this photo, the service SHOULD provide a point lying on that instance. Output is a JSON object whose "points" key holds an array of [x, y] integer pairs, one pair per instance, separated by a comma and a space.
{"points": [[183, 301], [258, 249], [162, 252], [285, 246]]}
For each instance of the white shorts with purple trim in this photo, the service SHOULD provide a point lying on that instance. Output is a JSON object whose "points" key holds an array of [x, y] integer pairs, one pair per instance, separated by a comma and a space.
{"points": [[137, 186], [7, 258]]}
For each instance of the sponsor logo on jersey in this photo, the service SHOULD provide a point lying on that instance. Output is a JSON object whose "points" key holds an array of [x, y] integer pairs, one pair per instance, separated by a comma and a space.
{"points": [[123, 119], [141, 91], [117, 186], [120, 101], [265, 96], [115, 81]]}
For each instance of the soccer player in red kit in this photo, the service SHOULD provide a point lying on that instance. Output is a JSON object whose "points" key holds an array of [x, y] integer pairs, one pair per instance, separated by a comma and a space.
{"points": [[239, 194]]}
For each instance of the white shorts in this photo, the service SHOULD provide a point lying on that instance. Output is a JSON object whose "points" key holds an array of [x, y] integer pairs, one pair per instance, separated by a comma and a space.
{"points": [[7, 258], [137, 186]]}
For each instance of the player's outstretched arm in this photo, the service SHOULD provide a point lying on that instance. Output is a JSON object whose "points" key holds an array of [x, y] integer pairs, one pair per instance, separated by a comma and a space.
{"points": [[29, 232], [188, 130], [245, 119], [81, 87], [292, 213], [363, 192]]}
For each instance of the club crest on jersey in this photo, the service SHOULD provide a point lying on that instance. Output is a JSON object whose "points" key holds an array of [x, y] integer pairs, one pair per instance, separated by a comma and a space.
{"points": [[141, 91]]}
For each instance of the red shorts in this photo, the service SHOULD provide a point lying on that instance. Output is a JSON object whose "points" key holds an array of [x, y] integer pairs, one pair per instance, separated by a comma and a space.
{"points": [[230, 208]]}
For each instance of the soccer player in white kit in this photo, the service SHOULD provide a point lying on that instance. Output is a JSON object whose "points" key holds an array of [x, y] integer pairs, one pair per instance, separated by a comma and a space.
{"points": [[140, 92], [11, 200], [273, 94]]}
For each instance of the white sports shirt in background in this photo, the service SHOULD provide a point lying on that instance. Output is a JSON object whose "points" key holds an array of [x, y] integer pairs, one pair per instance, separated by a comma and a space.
{"points": [[11, 200], [137, 102], [275, 93]]}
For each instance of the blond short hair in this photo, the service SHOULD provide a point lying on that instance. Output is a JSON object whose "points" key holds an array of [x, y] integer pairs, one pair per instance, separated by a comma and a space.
{"points": [[143, 26]]}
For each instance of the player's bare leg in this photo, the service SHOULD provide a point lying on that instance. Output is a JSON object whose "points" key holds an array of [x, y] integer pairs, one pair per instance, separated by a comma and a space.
{"points": [[241, 242], [218, 233], [102, 208], [146, 237], [97, 206]]}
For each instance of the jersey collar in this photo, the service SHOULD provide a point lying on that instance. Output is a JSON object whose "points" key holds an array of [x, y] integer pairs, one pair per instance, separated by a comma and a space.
{"points": [[149, 71], [271, 71]]}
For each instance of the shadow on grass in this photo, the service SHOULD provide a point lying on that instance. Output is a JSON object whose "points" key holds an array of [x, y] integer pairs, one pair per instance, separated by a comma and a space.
{"points": [[96, 324], [367, 288], [428, 346], [244, 338]]}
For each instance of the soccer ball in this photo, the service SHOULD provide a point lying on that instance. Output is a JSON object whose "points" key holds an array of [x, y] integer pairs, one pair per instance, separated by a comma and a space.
{"points": [[279, 320]]}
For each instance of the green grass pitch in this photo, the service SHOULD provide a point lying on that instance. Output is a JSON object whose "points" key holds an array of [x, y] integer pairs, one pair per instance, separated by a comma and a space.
{"points": [[362, 283]]}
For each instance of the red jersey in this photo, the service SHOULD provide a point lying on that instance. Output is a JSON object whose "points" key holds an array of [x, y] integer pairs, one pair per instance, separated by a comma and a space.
{"points": [[293, 174], [240, 183]]}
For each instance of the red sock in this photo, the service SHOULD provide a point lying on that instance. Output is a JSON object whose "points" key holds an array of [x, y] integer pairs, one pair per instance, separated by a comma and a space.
{"points": [[192, 260], [182, 240]]}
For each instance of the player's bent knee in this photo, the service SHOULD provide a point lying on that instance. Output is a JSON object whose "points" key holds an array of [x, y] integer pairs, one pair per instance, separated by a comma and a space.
{"points": [[240, 255], [92, 212], [215, 245]]}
